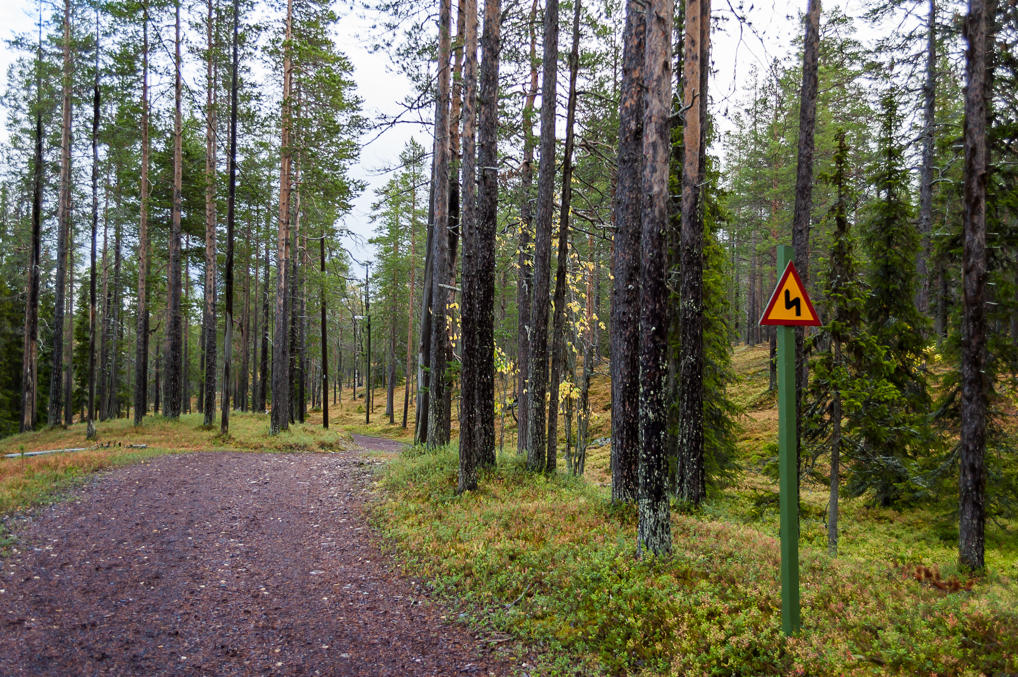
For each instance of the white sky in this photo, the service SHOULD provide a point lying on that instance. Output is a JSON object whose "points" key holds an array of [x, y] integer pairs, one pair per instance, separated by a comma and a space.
{"points": [[774, 27]]}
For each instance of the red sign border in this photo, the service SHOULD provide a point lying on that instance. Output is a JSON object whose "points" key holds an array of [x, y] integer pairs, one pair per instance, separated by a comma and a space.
{"points": [[790, 270]]}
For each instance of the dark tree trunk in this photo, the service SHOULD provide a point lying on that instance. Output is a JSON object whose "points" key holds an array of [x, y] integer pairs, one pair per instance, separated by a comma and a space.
{"points": [[974, 386], [30, 359], [691, 472], [487, 219], [231, 198], [410, 301], [63, 231], [468, 444], [209, 315], [263, 366], [325, 337], [141, 330], [654, 528], [280, 349], [117, 326], [538, 373], [525, 279], [926, 168], [438, 414], [174, 327], [804, 187], [558, 331], [90, 431], [625, 263]]}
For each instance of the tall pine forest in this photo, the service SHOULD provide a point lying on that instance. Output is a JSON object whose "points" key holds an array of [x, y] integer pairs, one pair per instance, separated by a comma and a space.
{"points": [[556, 284]]}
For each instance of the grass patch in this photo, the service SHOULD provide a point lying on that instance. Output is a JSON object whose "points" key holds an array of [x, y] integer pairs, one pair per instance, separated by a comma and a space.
{"points": [[549, 562]]}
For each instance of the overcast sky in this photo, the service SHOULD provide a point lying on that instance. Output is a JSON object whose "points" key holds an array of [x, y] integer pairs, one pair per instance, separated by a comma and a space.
{"points": [[768, 32]]}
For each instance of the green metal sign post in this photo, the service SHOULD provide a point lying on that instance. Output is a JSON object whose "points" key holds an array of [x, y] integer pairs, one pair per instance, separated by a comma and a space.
{"points": [[789, 307]]}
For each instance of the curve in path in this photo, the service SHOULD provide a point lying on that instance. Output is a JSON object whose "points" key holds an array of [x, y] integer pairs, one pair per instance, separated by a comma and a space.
{"points": [[221, 564]]}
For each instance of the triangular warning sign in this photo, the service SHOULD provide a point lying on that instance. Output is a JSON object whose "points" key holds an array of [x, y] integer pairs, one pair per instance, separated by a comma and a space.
{"points": [[790, 304]]}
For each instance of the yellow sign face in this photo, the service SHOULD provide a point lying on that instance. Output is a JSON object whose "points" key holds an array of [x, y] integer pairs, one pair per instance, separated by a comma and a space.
{"points": [[790, 304]]}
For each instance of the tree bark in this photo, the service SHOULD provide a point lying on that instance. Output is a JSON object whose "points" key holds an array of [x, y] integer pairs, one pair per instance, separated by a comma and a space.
{"points": [[90, 429], [691, 475], [174, 328], [558, 331], [525, 279], [325, 337], [804, 188], [141, 329], [209, 315], [484, 241], [654, 525], [438, 415], [926, 168], [974, 386], [469, 414], [538, 374], [280, 349], [30, 358], [63, 230], [231, 211], [625, 263]]}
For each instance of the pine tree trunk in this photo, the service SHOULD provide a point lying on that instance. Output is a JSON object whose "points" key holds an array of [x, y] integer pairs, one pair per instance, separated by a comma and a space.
{"points": [[209, 315], [437, 434], [231, 217], [559, 322], [692, 484], [410, 300], [30, 358], [245, 328], [538, 372], [625, 263], [804, 190], [280, 350], [263, 365], [117, 327], [90, 430], [832, 503], [525, 279], [103, 377], [63, 230], [174, 329], [484, 239], [468, 444], [654, 525], [974, 386], [926, 168], [325, 338]]}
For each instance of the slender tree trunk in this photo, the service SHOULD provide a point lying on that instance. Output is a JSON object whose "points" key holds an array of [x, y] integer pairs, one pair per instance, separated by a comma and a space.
{"points": [[654, 527], [484, 239], [30, 359], [325, 338], [68, 377], [117, 328], [103, 377], [926, 168], [625, 263], [280, 352], [174, 328], [468, 446], [410, 300], [559, 322], [538, 374], [263, 366], [832, 503], [437, 433], [692, 484], [245, 328], [231, 216], [63, 230], [209, 316], [90, 430], [185, 371], [804, 189], [974, 385], [525, 279]]}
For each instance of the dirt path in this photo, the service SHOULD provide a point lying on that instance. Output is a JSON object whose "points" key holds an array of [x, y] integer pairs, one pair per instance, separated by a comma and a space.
{"points": [[221, 564]]}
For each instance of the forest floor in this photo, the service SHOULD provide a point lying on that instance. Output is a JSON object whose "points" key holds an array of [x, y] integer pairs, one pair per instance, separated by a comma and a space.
{"points": [[219, 564], [545, 563]]}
